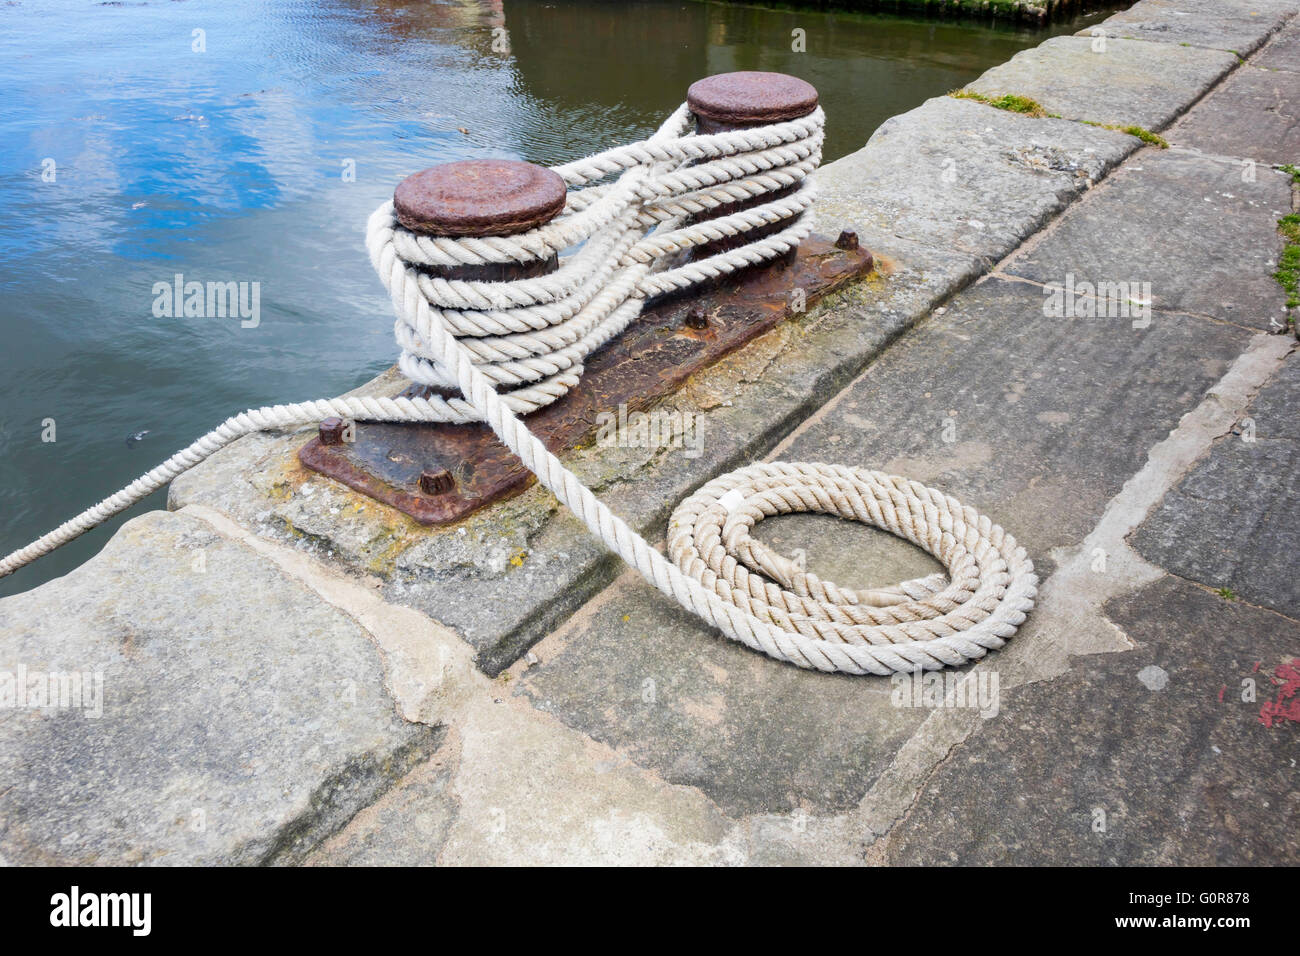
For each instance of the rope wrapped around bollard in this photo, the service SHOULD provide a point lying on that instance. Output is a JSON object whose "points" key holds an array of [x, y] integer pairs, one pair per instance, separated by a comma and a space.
{"points": [[646, 217]]}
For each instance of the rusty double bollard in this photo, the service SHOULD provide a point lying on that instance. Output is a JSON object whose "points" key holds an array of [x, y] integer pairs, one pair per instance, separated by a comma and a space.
{"points": [[499, 197]]}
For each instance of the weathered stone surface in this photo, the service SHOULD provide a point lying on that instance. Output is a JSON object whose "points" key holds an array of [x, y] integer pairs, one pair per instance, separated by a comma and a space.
{"points": [[1046, 418], [1255, 114], [1127, 83], [646, 678], [407, 826], [1192, 226], [1283, 50], [1231, 25], [243, 719], [956, 174], [507, 784], [1233, 522], [1035, 421], [1155, 745]]}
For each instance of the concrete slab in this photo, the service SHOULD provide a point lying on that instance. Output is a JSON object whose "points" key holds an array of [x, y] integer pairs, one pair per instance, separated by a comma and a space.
{"points": [[956, 174], [407, 826], [646, 678], [1254, 114], [1232, 522], [1037, 422], [1148, 758], [243, 719], [1195, 227], [1113, 81], [1239, 26], [1282, 51]]}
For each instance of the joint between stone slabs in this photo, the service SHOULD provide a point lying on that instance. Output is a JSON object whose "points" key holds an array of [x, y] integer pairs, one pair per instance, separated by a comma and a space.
{"points": [[1236, 600], [1032, 109], [470, 689], [300, 837], [1113, 31], [1160, 41], [1161, 87], [1135, 501], [1155, 310], [877, 849]]}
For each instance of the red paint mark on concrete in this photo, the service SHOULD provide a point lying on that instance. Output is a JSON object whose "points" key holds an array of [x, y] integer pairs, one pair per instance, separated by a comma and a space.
{"points": [[1286, 706]]}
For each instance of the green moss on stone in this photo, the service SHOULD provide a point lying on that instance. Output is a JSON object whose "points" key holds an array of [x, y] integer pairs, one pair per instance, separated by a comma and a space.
{"points": [[1288, 264], [1141, 132], [1023, 105], [1010, 102], [1148, 137]]}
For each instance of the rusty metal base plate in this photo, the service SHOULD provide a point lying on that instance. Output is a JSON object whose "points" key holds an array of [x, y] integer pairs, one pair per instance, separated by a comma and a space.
{"points": [[655, 356]]}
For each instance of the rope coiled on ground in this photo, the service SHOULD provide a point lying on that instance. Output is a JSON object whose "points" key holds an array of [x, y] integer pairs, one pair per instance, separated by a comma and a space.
{"points": [[513, 347]]}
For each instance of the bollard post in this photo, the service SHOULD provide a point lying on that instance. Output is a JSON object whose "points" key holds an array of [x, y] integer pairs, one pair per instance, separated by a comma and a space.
{"points": [[480, 198], [732, 101], [744, 100]]}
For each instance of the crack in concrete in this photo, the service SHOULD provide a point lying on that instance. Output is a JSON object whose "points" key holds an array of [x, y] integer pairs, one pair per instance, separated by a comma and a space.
{"points": [[1238, 601]]}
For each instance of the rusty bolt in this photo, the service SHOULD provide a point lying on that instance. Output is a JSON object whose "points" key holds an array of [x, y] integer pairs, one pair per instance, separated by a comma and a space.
{"points": [[436, 481], [848, 240], [331, 431], [696, 318]]}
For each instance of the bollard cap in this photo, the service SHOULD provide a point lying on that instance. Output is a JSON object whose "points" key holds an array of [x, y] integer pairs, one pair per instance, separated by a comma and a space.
{"points": [[751, 98], [479, 197]]}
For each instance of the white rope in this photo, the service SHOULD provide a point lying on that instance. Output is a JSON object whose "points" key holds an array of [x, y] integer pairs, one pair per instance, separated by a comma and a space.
{"points": [[513, 347]]}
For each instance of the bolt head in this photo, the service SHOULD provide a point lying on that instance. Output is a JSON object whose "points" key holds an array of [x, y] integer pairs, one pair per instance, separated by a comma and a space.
{"points": [[848, 239], [331, 431], [436, 481], [696, 319]]}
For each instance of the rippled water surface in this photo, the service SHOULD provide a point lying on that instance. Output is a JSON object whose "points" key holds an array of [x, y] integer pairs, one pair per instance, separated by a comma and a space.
{"points": [[130, 156]]}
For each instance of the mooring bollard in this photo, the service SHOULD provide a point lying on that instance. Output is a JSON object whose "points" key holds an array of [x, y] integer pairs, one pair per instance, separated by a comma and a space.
{"points": [[473, 198], [744, 100], [483, 198], [731, 101], [480, 198]]}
